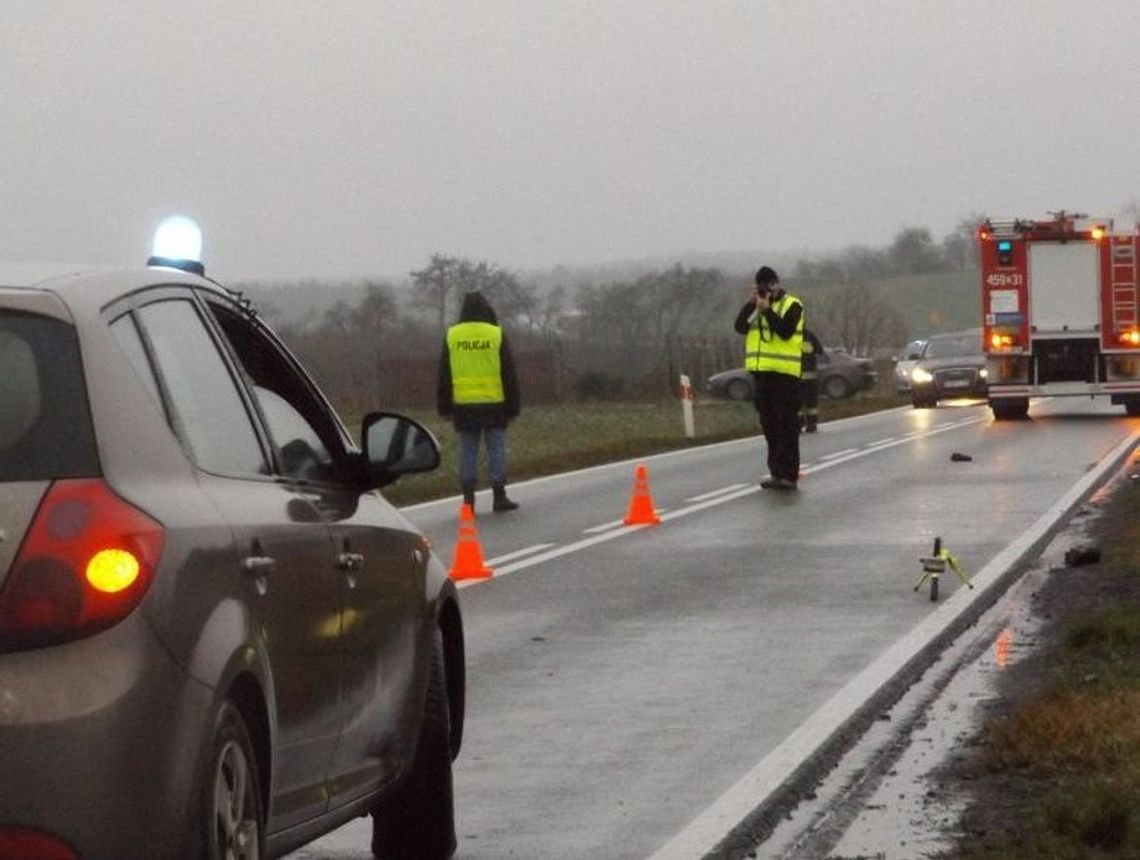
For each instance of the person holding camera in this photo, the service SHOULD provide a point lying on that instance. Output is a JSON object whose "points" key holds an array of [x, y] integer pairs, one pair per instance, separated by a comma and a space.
{"points": [[772, 322]]}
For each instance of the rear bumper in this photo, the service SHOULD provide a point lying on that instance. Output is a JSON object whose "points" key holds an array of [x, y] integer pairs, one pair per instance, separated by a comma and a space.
{"points": [[1066, 389], [100, 741]]}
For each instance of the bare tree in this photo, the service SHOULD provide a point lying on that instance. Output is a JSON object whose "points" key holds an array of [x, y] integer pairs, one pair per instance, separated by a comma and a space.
{"points": [[446, 279], [857, 316], [434, 284], [913, 251]]}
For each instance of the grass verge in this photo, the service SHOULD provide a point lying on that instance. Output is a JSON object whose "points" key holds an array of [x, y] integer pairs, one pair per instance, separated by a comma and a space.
{"points": [[1058, 771], [557, 438]]}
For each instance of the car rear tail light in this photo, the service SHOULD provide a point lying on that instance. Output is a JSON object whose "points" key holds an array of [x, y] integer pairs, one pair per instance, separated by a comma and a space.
{"points": [[85, 564], [17, 843]]}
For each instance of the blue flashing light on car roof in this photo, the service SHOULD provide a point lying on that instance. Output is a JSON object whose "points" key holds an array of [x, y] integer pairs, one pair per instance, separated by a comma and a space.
{"points": [[178, 245]]}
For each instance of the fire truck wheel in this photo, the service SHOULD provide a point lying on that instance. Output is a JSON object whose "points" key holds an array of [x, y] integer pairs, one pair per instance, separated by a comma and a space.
{"points": [[1011, 410]]}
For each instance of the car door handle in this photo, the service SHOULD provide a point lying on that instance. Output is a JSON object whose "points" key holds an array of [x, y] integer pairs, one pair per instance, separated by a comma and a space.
{"points": [[259, 564], [350, 561]]}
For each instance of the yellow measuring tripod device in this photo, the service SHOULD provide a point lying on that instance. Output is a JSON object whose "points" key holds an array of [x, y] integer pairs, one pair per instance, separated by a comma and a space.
{"points": [[935, 564]]}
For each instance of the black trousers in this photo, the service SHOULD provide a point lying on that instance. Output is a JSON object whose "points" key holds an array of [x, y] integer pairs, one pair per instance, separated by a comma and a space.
{"points": [[778, 404]]}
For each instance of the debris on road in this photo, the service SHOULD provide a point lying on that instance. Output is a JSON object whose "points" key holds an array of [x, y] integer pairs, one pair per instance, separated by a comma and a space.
{"points": [[1079, 555]]}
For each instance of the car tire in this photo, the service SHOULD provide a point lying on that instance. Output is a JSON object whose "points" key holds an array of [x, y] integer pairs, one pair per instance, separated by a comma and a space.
{"points": [[233, 818], [835, 388], [922, 401], [1132, 407], [738, 389], [417, 821]]}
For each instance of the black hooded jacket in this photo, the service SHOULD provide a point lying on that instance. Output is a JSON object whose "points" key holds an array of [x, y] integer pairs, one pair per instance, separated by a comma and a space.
{"points": [[476, 308]]}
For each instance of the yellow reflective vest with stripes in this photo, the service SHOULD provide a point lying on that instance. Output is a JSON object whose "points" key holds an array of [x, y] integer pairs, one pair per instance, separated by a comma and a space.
{"points": [[764, 350], [476, 371]]}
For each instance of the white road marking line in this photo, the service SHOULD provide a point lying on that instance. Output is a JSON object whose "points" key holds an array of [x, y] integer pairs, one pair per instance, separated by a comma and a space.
{"points": [[613, 524], [615, 530], [713, 493], [453, 501], [518, 553], [842, 453], [880, 442], [708, 829], [604, 527]]}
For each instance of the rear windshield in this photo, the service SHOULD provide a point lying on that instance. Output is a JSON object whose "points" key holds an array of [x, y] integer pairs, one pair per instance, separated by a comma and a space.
{"points": [[45, 425]]}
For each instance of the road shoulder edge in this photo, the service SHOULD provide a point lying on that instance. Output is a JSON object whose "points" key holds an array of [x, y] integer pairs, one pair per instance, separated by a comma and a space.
{"points": [[748, 811]]}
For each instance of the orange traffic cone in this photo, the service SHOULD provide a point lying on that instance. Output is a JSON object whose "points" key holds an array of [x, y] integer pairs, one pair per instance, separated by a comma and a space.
{"points": [[641, 512], [468, 563]]}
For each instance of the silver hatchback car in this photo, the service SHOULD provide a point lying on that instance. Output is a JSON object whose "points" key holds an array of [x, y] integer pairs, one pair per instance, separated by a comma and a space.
{"points": [[217, 639]]}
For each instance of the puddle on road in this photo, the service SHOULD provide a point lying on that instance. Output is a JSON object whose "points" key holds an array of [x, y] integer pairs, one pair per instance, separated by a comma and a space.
{"points": [[881, 801]]}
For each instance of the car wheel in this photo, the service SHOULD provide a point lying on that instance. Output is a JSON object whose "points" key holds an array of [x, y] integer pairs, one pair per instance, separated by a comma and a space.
{"points": [[835, 388], [234, 822], [417, 822], [1132, 407], [738, 389]]}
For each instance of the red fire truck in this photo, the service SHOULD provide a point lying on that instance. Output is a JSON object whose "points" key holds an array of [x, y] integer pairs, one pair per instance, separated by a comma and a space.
{"points": [[1059, 300]]}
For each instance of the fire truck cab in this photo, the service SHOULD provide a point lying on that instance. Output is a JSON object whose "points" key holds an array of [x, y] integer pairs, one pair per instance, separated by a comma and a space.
{"points": [[1059, 300]]}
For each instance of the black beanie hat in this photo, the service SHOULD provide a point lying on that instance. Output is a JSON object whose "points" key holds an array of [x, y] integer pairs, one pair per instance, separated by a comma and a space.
{"points": [[766, 277]]}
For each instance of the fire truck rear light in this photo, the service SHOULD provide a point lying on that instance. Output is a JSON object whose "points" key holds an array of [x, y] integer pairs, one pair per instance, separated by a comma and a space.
{"points": [[86, 563], [1097, 233], [1130, 338], [17, 843], [1002, 341]]}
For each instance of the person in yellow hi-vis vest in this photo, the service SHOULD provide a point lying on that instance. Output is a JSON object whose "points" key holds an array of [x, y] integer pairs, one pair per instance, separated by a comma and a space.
{"points": [[772, 322], [478, 389]]}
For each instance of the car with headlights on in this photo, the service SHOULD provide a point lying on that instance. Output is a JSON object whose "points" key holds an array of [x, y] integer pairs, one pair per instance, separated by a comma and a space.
{"points": [[951, 365], [217, 638], [904, 363], [839, 374]]}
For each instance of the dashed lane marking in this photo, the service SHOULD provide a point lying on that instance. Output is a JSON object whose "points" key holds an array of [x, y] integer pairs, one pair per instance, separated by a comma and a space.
{"points": [[714, 493], [518, 553], [835, 454], [615, 529]]}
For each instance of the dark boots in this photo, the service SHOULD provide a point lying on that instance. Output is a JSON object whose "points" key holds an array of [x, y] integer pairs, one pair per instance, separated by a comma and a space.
{"points": [[502, 503]]}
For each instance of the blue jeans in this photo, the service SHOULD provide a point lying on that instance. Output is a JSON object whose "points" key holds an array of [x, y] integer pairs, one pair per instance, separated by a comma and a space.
{"points": [[496, 455]]}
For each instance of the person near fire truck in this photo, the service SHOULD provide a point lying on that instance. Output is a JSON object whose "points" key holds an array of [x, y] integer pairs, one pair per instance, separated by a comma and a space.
{"points": [[772, 323], [809, 382], [478, 389]]}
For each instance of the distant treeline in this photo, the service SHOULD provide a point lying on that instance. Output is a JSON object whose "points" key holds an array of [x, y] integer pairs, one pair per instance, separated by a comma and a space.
{"points": [[378, 341]]}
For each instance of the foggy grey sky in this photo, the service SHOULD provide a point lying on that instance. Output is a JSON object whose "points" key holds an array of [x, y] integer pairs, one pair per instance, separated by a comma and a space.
{"points": [[356, 137]]}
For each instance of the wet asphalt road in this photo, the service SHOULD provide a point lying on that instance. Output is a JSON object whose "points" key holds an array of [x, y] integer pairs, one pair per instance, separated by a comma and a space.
{"points": [[619, 681]]}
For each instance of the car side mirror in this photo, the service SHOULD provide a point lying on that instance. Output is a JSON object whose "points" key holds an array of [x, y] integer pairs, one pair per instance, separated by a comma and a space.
{"points": [[394, 445]]}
